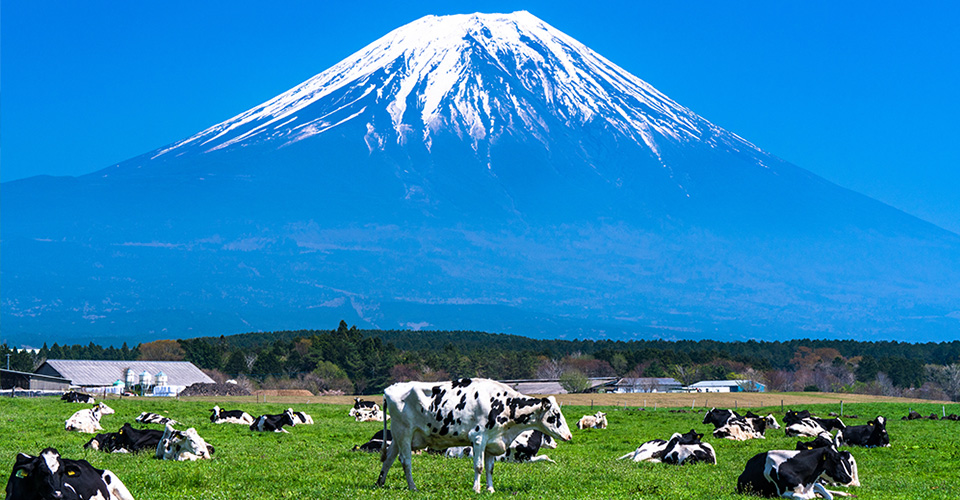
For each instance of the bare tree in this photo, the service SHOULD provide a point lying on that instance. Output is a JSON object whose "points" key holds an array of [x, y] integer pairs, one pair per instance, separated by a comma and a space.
{"points": [[550, 369]]}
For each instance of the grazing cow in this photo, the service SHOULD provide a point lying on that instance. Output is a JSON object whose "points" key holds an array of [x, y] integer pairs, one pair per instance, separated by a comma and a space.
{"points": [[719, 418], [482, 413], [376, 443], [680, 449], [871, 435], [795, 474], [126, 440], [153, 418], [182, 445], [230, 416], [300, 417], [77, 397], [597, 421], [87, 421], [273, 423], [50, 476]]}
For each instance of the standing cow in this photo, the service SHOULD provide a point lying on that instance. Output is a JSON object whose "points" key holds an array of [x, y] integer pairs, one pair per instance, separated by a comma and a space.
{"points": [[481, 413]]}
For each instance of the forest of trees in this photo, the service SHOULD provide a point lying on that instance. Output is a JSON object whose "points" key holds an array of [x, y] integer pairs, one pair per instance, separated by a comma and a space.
{"points": [[350, 360]]}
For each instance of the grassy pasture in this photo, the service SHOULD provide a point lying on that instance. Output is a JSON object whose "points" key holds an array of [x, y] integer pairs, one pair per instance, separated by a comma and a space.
{"points": [[316, 462]]}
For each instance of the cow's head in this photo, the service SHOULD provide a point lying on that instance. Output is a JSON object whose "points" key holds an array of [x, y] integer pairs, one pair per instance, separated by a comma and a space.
{"points": [[551, 418], [216, 413], [96, 413], [104, 409], [36, 477], [718, 417], [692, 437], [793, 416], [771, 421], [288, 418], [840, 467], [879, 436]]}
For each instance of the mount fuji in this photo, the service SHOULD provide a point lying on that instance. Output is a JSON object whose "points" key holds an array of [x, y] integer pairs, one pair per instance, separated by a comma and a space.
{"points": [[482, 172]]}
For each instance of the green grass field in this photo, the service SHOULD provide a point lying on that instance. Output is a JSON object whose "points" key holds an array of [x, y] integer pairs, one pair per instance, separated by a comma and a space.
{"points": [[315, 461]]}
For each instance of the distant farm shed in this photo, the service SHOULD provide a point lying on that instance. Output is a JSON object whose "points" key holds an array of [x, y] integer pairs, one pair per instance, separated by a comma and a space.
{"points": [[727, 386], [12, 379], [108, 375]]}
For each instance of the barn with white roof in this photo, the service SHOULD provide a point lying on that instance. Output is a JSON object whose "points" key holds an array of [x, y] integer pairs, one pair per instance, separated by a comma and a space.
{"points": [[158, 378]]}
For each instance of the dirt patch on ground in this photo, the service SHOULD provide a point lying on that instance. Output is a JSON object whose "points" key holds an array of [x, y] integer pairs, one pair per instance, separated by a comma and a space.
{"points": [[299, 393], [214, 390]]}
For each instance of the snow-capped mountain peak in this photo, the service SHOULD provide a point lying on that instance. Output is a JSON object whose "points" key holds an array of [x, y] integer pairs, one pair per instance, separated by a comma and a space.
{"points": [[476, 75]]}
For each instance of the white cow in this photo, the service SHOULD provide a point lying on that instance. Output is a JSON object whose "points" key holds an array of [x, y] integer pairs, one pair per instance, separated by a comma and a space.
{"points": [[182, 445], [597, 421], [372, 414], [481, 413], [87, 421]]}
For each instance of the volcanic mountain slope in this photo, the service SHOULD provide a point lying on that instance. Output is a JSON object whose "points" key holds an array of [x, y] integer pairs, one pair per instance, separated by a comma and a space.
{"points": [[479, 171]]}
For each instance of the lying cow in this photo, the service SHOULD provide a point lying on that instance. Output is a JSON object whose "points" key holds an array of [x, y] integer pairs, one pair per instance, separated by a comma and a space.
{"points": [[680, 449], [523, 449], [50, 476], [230, 416], [87, 421], [719, 418], [802, 424], [872, 435], [795, 474], [596, 421], [824, 440], [359, 404], [126, 440], [182, 445], [376, 443], [484, 414], [750, 426], [769, 421], [154, 418], [77, 397], [273, 423], [300, 417], [368, 414]]}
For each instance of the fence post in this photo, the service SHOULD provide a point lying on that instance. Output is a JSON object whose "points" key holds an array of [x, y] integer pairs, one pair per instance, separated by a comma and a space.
{"points": [[694, 403], [841, 408], [781, 406], [736, 404], [943, 409]]}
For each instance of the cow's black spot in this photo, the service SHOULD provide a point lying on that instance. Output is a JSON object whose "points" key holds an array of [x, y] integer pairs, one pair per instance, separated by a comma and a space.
{"points": [[478, 428], [496, 408], [551, 419], [444, 430], [462, 382], [463, 402], [107, 479]]}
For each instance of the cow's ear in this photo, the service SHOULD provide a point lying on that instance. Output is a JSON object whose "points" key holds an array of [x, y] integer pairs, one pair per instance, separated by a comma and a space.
{"points": [[545, 402]]}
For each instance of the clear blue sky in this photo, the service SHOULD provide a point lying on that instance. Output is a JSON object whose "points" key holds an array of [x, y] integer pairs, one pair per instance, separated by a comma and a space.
{"points": [[865, 94]]}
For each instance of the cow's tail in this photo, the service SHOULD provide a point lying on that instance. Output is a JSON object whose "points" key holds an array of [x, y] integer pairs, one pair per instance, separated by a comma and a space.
{"points": [[383, 443]]}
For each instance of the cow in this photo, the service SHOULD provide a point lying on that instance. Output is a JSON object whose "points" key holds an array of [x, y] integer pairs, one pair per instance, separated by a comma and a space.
{"points": [[768, 422], [182, 445], [376, 442], [230, 416], [273, 423], [300, 417], [359, 404], [87, 421], [597, 421], [741, 429], [719, 418], [526, 446], [482, 413], [126, 440], [812, 426], [50, 476], [368, 414], [153, 418], [824, 440], [77, 397], [679, 450], [795, 474], [872, 435]]}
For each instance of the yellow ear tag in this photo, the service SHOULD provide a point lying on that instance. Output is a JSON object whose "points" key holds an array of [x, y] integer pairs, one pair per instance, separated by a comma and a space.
{"points": [[22, 473], [71, 473]]}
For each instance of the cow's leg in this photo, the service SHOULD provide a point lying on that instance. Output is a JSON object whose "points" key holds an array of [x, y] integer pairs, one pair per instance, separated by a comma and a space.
{"points": [[406, 460], [478, 452], [825, 493], [488, 462], [388, 458]]}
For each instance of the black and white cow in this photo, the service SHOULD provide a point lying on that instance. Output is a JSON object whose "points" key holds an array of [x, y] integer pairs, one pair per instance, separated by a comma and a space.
{"points": [[824, 440], [372, 414], [87, 421], [871, 435], [359, 404], [376, 443], [300, 417], [154, 418], [769, 421], [523, 449], [596, 421], [719, 417], [750, 426], [77, 397], [273, 423], [795, 474], [230, 416], [126, 440], [680, 449], [482, 413], [802, 424], [181, 446], [50, 476]]}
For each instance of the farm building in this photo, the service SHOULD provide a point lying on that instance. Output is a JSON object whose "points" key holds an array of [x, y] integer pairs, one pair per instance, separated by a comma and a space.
{"points": [[552, 386], [157, 378], [727, 386], [12, 379], [647, 384]]}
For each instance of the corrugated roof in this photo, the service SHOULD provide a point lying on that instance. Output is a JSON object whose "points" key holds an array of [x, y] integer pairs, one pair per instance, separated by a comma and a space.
{"points": [[722, 383], [90, 373], [630, 382]]}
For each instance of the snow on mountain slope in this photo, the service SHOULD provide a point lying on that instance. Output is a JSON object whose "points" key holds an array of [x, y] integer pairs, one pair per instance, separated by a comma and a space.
{"points": [[477, 75]]}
